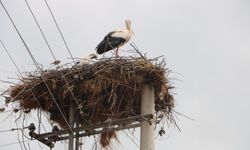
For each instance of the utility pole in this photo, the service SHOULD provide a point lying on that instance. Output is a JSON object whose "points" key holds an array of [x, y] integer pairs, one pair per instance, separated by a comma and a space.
{"points": [[147, 127], [77, 142], [71, 125]]}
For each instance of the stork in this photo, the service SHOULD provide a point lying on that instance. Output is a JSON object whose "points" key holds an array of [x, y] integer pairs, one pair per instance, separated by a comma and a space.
{"points": [[87, 59], [115, 39]]}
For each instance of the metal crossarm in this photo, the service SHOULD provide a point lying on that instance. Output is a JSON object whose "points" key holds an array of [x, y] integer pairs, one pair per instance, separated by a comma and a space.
{"points": [[115, 125]]}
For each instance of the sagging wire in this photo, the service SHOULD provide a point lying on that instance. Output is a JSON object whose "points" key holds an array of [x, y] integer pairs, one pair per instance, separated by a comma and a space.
{"points": [[13, 61], [59, 30], [38, 67], [51, 51]]}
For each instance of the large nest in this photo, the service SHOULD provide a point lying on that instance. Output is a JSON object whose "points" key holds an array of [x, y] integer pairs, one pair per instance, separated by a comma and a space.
{"points": [[106, 89]]}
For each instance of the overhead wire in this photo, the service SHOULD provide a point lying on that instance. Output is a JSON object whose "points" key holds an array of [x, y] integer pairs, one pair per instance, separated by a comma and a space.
{"points": [[18, 138], [137, 145], [23, 135], [49, 47], [37, 66], [59, 30], [39, 69], [46, 41], [64, 41], [6, 50], [12, 143], [10, 130], [19, 71]]}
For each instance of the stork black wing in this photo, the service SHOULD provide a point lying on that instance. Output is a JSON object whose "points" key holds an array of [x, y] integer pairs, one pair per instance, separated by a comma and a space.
{"points": [[109, 43]]}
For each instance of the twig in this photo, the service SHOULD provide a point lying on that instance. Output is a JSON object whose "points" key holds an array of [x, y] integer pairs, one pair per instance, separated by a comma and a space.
{"points": [[136, 49]]}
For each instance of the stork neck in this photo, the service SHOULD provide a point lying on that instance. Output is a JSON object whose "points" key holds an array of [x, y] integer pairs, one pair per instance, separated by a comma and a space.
{"points": [[129, 27]]}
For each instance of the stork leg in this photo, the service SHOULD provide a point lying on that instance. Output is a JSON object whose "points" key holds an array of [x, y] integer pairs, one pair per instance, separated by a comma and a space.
{"points": [[116, 53]]}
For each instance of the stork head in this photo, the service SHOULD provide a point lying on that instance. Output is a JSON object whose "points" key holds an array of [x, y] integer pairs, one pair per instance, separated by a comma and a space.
{"points": [[92, 56], [128, 25]]}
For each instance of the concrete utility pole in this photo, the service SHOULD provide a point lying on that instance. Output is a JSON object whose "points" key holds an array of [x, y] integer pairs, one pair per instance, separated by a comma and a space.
{"points": [[147, 128], [71, 123], [77, 142]]}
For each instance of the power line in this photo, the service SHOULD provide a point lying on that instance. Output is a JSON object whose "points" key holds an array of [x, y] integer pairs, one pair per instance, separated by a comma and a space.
{"points": [[58, 28], [36, 64], [10, 130], [38, 67], [49, 47], [137, 145], [13, 61], [18, 137], [10, 55], [46, 41], [34, 60], [13, 143]]}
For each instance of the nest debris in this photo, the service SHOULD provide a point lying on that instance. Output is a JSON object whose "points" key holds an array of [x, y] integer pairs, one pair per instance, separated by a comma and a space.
{"points": [[106, 89]]}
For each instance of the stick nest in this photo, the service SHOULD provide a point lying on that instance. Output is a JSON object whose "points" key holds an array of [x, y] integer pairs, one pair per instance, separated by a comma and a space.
{"points": [[106, 89]]}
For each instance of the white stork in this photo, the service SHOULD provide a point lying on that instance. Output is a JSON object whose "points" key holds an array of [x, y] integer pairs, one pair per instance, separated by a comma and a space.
{"points": [[87, 59], [115, 39]]}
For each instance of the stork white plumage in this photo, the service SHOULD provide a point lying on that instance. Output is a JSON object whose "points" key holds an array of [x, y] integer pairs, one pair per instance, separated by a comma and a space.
{"points": [[87, 59], [115, 39]]}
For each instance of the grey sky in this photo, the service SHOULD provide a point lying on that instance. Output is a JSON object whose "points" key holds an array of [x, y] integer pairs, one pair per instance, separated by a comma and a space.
{"points": [[207, 42]]}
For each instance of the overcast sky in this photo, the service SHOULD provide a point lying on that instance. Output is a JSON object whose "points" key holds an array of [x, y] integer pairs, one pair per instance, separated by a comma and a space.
{"points": [[206, 44]]}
